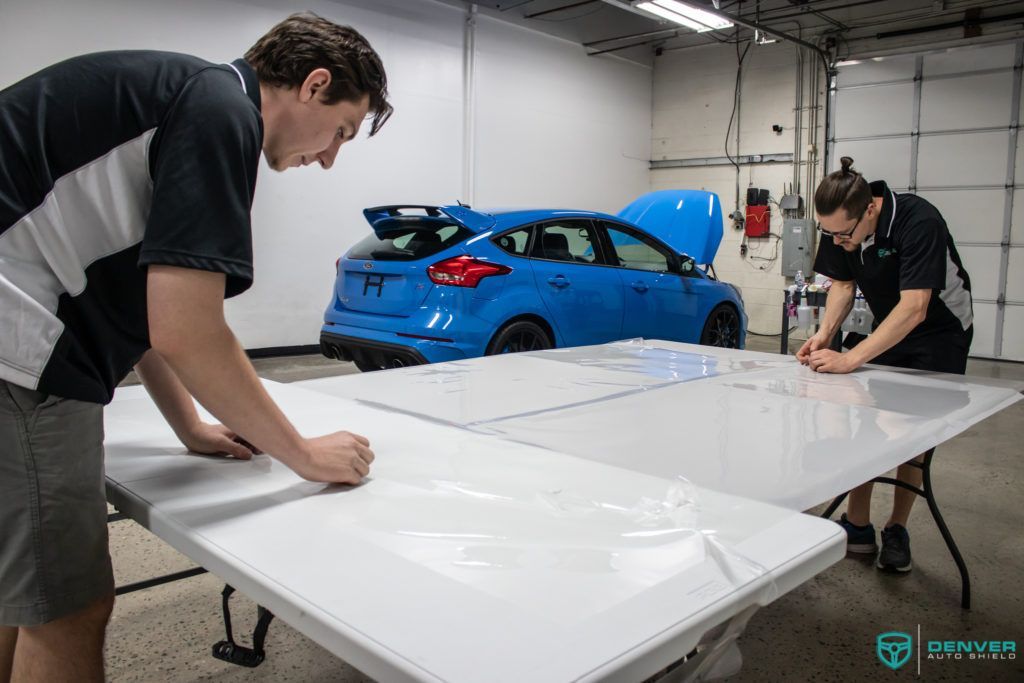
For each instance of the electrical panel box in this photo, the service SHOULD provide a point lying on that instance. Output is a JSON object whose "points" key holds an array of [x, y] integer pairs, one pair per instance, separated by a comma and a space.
{"points": [[798, 241]]}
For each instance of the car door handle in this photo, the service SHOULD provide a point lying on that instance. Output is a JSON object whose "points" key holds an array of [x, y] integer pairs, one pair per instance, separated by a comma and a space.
{"points": [[559, 281], [639, 286]]}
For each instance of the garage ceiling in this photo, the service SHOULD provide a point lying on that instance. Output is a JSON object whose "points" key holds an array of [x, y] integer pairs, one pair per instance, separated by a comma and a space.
{"points": [[848, 28]]}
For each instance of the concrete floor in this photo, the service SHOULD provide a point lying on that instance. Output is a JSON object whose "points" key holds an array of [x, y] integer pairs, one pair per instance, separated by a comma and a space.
{"points": [[823, 631]]}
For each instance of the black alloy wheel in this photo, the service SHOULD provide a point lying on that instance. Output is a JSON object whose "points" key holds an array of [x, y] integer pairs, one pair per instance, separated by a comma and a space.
{"points": [[519, 336], [722, 328]]}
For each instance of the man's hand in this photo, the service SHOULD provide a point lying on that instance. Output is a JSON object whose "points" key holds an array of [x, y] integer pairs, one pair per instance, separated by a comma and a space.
{"points": [[208, 439], [811, 345], [339, 458], [827, 360]]}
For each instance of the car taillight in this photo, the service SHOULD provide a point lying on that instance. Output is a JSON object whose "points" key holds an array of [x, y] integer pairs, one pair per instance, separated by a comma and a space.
{"points": [[464, 271], [337, 264]]}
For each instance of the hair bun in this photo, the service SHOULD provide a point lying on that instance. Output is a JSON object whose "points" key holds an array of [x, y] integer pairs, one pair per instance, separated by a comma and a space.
{"points": [[847, 164]]}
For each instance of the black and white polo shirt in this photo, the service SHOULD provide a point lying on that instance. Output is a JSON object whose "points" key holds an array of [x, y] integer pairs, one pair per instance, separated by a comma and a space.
{"points": [[111, 162], [910, 249]]}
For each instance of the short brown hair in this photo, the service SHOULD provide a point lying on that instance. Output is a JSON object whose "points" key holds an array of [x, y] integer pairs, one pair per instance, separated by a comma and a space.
{"points": [[845, 188], [303, 42]]}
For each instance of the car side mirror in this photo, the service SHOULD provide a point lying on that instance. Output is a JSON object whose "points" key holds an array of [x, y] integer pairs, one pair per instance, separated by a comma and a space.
{"points": [[686, 264]]}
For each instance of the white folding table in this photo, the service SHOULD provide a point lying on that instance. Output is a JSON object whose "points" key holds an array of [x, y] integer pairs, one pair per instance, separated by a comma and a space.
{"points": [[467, 557], [754, 425], [582, 514]]}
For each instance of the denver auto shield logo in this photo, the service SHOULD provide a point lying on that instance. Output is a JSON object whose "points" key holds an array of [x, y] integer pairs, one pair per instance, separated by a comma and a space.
{"points": [[893, 648]]}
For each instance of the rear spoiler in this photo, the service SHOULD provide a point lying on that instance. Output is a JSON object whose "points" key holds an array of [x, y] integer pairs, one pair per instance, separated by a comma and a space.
{"points": [[385, 218]]}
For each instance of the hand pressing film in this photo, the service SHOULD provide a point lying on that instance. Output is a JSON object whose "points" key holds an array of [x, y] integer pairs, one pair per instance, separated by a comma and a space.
{"points": [[240, 440], [216, 439]]}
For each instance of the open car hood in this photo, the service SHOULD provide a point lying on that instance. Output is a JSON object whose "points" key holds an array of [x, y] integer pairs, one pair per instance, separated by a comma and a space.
{"points": [[689, 221]]}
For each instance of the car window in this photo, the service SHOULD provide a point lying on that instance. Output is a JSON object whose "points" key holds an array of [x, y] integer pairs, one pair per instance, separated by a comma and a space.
{"points": [[636, 253], [408, 243], [566, 241], [515, 242]]}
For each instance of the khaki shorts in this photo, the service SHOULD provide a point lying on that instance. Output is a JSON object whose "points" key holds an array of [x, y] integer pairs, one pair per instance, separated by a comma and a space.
{"points": [[54, 558]]}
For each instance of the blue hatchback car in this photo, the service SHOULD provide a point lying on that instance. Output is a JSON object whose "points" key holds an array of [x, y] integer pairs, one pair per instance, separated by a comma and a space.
{"points": [[440, 283]]}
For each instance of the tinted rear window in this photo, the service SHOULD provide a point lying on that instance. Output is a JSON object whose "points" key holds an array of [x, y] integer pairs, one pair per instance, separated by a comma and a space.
{"points": [[408, 243]]}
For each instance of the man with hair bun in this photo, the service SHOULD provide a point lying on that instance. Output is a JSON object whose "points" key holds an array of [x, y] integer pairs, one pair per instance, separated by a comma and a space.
{"points": [[898, 250], [126, 183]]}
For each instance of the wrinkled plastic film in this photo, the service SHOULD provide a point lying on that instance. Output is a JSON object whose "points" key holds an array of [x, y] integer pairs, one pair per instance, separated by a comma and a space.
{"points": [[678, 517], [682, 505]]}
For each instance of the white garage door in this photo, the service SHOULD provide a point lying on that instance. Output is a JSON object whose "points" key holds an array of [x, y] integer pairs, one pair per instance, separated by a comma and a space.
{"points": [[944, 125]]}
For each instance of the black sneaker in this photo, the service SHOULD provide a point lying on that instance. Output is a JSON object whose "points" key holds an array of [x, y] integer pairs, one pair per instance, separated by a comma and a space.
{"points": [[859, 539], [895, 555]]}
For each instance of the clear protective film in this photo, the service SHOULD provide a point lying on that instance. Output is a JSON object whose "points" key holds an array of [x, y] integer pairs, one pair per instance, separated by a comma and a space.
{"points": [[495, 556], [754, 425]]}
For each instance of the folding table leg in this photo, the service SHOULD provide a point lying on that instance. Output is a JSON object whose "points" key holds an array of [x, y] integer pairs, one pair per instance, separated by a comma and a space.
{"points": [[230, 651], [928, 494]]}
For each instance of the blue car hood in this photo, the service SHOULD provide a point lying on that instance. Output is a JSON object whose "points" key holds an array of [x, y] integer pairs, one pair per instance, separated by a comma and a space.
{"points": [[689, 221]]}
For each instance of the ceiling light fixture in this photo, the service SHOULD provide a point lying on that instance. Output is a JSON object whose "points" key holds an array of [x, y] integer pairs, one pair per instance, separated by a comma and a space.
{"points": [[687, 15]]}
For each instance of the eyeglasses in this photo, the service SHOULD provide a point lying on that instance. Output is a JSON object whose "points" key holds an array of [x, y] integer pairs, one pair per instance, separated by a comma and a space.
{"points": [[842, 235]]}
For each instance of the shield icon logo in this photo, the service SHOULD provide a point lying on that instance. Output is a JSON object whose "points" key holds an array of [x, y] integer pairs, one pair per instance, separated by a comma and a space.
{"points": [[893, 648]]}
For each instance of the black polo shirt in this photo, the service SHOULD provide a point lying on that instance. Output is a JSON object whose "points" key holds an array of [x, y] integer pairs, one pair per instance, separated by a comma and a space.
{"points": [[911, 249], [111, 162]]}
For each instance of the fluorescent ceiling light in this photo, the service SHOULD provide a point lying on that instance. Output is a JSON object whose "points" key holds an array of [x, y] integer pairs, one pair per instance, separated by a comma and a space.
{"points": [[687, 15]]}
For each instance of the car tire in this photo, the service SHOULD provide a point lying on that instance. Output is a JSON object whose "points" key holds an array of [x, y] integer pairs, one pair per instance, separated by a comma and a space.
{"points": [[521, 335], [722, 328]]}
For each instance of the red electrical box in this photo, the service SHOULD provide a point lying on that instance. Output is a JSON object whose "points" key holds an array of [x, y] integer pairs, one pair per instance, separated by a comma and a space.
{"points": [[758, 221]]}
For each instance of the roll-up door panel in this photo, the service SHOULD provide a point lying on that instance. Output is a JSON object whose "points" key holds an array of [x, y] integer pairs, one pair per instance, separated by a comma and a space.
{"points": [[962, 159], [978, 262], [972, 215], [984, 330], [1015, 285], [970, 59], [1013, 333], [878, 159], [965, 102], [876, 110], [872, 71]]}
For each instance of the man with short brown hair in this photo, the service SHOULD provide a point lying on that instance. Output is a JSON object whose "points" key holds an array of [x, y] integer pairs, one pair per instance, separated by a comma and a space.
{"points": [[126, 182]]}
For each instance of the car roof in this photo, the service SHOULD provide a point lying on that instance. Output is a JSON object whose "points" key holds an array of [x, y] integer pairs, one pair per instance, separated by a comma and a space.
{"points": [[506, 218]]}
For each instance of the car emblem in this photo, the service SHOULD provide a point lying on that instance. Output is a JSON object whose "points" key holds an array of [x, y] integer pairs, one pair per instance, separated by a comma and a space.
{"points": [[368, 266]]}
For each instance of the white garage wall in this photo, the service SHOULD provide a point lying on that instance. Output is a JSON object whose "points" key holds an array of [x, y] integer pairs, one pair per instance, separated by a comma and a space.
{"points": [[693, 98], [552, 108], [556, 128]]}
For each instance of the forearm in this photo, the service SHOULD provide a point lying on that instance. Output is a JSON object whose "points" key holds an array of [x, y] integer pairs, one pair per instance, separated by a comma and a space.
{"points": [[837, 307], [900, 322], [169, 394], [187, 329], [213, 367]]}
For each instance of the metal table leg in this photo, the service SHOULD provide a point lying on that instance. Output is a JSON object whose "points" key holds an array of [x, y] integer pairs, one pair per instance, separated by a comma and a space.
{"points": [[784, 349], [156, 581], [928, 494]]}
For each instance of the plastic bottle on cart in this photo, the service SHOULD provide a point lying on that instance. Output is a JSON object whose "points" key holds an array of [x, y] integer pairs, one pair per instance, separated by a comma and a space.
{"points": [[858, 315], [847, 325], [803, 314], [850, 322], [792, 301], [867, 317]]}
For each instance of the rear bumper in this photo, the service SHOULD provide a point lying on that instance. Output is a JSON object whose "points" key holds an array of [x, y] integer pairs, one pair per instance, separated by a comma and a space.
{"points": [[373, 347], [369, 352]]}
